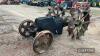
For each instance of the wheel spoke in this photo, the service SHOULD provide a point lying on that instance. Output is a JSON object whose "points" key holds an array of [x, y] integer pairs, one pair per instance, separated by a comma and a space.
{"points": [[36, 44], [27, 33], [31, 24], [22, 29], [24, 25], [45, 41], [28, 23], [48, 36]]}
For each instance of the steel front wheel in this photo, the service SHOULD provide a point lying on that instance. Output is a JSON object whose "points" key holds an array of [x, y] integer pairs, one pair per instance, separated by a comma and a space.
{"points": [[42, 41]]}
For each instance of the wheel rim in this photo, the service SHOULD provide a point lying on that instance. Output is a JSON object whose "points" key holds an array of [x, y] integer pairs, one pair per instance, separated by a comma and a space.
{"points": [[42, 43], [26, 27]]}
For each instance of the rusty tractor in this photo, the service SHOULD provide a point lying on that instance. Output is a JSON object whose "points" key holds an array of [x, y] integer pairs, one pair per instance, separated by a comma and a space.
{"points": [[43, 29]]}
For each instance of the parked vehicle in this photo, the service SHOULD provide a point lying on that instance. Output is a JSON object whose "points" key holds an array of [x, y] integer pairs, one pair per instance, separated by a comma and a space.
{"points": [[94, 3], [35, 2], [98, 3], [40, 2], [25, 1], [3, 1], [9, 2]]}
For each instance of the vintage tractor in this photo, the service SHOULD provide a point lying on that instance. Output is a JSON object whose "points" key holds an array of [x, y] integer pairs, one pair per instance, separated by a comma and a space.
{"points": [[44, 28]]}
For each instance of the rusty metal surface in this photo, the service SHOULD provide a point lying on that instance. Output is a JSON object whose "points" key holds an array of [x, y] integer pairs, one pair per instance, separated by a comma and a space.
{"points": [[42, 41]]}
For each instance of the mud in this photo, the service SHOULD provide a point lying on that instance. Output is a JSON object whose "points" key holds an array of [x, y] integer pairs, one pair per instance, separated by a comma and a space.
{"points": [[13, 44]]}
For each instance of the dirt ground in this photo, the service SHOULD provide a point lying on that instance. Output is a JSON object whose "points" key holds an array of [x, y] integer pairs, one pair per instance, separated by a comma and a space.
{"points": [[13, 44]]}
